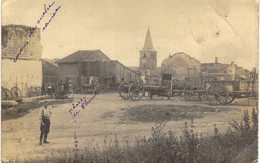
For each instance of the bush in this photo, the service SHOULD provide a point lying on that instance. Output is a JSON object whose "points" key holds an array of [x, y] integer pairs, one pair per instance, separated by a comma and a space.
{"points": [[164, 146]]}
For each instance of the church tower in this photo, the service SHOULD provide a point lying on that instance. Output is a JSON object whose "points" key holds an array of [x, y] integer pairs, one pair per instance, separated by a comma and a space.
{"points": [[148, 55]]}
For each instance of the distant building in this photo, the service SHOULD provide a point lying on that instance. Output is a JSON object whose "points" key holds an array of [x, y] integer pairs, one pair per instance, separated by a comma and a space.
{"points": [[26, 72], [83, 64], [223, 71], [148, 62], [181, 66], [148, 55], [50, 73]]}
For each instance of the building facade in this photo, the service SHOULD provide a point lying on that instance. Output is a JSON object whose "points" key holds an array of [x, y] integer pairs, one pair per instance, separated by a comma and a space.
{"points": [[26, 72], [50, 73], [83, 64]]}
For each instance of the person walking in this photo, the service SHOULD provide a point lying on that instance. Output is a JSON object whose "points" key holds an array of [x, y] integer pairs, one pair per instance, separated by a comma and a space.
{"points": [[45, 115]]}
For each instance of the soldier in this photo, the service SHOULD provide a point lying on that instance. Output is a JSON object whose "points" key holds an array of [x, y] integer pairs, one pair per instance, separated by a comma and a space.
{"points": [[45, 123]]}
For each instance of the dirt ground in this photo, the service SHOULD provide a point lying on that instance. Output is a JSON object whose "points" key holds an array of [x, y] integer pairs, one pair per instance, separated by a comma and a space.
{"points": [[105, 116]]}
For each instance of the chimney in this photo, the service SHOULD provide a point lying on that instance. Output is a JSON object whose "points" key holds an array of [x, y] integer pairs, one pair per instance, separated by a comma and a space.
{"points": [[216, 59]]}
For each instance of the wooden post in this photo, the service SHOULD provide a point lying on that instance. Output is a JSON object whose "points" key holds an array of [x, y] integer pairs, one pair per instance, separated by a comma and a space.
{"points": [[171, 85]]}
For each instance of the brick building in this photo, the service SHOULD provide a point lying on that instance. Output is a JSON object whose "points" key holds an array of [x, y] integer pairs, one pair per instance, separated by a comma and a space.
{"points": [[26, 72]]}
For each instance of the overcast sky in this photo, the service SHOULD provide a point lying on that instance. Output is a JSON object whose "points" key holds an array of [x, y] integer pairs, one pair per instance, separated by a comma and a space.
{"points": [[201, 28]]}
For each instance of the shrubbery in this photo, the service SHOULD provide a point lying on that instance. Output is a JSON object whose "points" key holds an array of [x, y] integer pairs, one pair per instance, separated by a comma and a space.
{"points": [[166, 147]]}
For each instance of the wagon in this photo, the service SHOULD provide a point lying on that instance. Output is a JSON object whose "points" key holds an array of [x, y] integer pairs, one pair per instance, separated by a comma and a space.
{"points": [[135, 90], [212, 88]]}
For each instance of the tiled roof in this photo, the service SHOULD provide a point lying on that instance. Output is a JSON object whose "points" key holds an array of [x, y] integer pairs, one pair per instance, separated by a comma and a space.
{"points": [[84, 55]]}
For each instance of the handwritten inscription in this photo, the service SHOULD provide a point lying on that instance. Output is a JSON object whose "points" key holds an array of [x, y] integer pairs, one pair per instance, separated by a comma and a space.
{"points": [[53, 14], [21, 50], [32, 30], [83, 103]]}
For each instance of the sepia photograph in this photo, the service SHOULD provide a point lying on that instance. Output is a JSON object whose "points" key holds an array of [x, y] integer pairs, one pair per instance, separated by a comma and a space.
{"points": [[129, 81]]}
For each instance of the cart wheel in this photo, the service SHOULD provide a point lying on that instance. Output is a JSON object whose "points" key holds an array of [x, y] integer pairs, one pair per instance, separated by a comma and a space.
{"points": [[136, 90], [213, 92], [5, 94], [16, 92], [222, 95], [212, 99], [9, 94], [230, 99], [123, 91]]}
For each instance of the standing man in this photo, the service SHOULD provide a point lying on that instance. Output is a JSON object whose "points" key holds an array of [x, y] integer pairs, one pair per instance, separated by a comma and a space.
{"points": [[45, 123], [49, 91]]}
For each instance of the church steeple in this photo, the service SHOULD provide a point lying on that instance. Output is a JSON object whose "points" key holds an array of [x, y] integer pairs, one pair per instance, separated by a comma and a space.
{"points": [[148, 55], [148, 43]]}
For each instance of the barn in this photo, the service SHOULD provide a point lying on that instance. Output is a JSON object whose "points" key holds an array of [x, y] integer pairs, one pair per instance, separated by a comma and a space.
{"points": [[81, 65]]}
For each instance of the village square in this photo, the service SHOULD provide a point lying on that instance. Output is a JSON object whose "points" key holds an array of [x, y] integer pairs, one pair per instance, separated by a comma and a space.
{"points": [[97, 102]]}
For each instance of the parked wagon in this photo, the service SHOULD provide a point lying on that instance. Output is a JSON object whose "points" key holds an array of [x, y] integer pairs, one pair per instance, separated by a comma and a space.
{"points": [[135, 90], [205, 87]]}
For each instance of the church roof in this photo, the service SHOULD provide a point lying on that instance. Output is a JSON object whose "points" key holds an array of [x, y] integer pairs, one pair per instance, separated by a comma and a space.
{"points": [[148, 43]]}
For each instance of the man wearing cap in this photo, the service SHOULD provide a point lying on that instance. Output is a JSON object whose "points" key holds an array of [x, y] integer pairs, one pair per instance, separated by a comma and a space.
{"points": [[45, 115]]}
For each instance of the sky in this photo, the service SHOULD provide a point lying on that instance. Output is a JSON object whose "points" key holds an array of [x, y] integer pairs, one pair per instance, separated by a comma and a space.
{"points": [[203, 29]]}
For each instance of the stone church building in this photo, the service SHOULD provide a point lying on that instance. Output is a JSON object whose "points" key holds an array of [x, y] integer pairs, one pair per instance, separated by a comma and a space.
{"points": [[150, 73]]}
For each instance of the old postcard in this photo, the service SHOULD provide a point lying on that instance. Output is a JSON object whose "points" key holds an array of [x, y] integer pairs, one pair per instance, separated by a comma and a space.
{"points": [[129, 81]]}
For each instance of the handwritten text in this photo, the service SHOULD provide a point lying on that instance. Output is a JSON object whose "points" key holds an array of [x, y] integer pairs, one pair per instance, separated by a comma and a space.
{"points": [[83, 103], [32, 30]]}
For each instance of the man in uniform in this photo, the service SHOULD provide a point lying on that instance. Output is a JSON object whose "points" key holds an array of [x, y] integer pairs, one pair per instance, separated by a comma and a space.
{"points": [[45, 123]]}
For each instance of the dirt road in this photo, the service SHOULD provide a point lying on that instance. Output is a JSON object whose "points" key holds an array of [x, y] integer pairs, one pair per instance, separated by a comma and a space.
{"points": [[101, 117]]}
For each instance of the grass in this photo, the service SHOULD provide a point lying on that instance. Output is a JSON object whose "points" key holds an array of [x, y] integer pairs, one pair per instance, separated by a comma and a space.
{"points": [[165, 147], [158, 113]]}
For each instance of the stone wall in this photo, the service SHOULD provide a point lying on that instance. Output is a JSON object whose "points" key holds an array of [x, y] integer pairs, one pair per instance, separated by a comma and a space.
{"points": [[26, 72], [14, 37]]}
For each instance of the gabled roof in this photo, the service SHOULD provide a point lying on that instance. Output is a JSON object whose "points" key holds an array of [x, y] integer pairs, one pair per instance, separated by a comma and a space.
{"points": [[148, 43], [50, 61], [126, 67], [134, 68], [84, 55]]}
